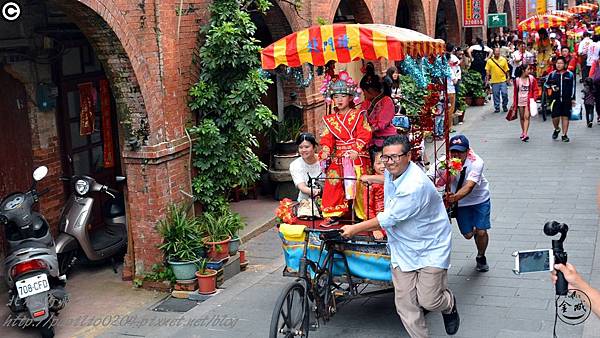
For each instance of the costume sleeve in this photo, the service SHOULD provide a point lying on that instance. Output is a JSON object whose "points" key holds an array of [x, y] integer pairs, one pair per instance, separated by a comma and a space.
{"points": [[327, 141], [384, 116], [363, 134]]}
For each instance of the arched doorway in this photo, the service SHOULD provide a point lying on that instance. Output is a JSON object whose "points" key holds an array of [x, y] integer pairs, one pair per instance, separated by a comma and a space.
{"points": [[446, 24], [491, 32], [410, 14], [87, 104], [352, 11]]}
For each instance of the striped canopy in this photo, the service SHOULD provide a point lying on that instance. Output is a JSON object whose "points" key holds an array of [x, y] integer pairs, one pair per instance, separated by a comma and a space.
{"points": [[564, 14], [579, 9], [348, 42], [541, 21]]}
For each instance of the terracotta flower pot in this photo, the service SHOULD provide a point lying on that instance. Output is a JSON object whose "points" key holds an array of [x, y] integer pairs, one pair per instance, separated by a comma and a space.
{"points": [[469, 100], [242, 256], [218, 250], [207, 282], [478, 101]]}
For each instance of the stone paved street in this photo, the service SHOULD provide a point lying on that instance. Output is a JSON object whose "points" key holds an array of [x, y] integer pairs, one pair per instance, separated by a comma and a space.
{"points": [[531, 183]]}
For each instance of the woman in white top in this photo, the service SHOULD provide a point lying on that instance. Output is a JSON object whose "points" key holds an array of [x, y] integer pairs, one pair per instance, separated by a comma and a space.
{"points": [[307, 164]]}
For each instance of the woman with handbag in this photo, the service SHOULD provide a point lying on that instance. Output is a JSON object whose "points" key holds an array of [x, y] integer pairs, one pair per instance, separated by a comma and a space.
{"points": [[524, 99]]}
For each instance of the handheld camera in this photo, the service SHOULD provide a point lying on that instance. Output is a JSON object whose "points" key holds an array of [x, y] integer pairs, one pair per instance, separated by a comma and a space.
{"points": [[560, 255]]}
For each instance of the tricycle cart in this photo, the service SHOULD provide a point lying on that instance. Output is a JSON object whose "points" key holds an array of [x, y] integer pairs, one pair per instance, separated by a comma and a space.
{"points": [[328, 269]]}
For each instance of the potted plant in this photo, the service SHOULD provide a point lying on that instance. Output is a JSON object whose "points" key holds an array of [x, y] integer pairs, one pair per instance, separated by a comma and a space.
{"points": [[284, 135], [214, 228], [479, 97], [207, 279], [233, 223], [182, 243], [473, 86]]}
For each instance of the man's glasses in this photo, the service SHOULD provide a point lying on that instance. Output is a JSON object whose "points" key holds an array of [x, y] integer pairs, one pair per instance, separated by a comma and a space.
{"points": [[393, 157]]}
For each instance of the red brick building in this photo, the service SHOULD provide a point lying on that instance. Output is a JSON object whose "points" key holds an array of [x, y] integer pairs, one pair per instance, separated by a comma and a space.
{"points": [[144, 51]]}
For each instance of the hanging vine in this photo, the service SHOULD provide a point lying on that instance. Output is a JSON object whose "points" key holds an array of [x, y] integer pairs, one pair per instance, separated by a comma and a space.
{"points": [[227, 100]]}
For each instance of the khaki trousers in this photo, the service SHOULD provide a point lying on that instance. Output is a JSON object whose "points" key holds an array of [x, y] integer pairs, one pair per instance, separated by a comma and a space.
{"points": [[451, 107], [423, 288]]}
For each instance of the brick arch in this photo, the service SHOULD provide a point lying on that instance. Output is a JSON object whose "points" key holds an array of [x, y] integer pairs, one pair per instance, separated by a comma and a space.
{"points": [[278, 22], [106, 30], [411, 14], [451, 26], [360, 8]]}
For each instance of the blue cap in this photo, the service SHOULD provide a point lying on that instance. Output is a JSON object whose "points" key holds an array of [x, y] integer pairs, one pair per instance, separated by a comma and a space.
{"points": [[459, 143]]}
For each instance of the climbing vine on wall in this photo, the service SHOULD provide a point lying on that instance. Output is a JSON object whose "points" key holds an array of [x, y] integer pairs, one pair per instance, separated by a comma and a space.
{"points": [[227, 99]]}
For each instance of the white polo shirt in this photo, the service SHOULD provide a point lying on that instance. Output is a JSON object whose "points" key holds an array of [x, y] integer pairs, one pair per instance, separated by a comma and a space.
{"points": [[474, 166]]}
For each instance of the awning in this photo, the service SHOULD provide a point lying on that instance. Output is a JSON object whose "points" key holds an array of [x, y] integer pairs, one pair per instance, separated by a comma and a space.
{"points": [[582, 8], [344, 43], [564, 14], [541, 21]]}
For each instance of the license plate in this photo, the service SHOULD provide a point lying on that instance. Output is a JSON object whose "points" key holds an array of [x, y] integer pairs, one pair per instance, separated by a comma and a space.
{"points": [[32, 285]]}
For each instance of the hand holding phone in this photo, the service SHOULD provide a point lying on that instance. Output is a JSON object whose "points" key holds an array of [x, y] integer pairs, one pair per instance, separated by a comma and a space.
{"points": [[529, 261]]}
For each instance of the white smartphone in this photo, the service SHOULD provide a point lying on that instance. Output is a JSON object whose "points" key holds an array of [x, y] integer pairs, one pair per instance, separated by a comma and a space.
{"points": [[528, 261]]}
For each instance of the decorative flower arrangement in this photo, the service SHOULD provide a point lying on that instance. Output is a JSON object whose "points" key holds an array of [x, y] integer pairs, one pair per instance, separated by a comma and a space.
{"points": [[454, 166], [284, 212]]}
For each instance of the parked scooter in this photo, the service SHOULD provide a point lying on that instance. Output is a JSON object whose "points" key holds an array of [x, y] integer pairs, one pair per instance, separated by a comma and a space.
{"points": [[75, 240], [35, 288]]}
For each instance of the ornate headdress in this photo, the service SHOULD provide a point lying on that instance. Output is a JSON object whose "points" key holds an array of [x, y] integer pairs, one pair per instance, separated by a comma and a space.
{"points": [[340, 84]]}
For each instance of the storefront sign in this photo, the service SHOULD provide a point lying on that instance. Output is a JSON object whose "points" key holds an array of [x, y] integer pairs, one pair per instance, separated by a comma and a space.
{"points": [[541, 7], [86, 106], [105, 109], [473, 13], [521, 10], [496, 20]]}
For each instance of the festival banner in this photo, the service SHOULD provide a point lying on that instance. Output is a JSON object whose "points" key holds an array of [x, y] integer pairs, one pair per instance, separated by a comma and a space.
{"points": [[541, 7], [107, 138], [521, 10], [473, 15], [87, 107]]}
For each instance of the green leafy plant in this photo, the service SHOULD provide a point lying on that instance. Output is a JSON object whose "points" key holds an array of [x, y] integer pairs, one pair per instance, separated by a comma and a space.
{"points": [[160, 273], [137, 283], [286, 130], [227, 100], [216, 225], [181, 235], [202, 266], [413, 94], [472, 84]]}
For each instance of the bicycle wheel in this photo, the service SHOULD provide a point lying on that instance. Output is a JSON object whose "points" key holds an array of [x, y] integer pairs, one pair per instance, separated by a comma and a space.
{"points": [[291, 314]]}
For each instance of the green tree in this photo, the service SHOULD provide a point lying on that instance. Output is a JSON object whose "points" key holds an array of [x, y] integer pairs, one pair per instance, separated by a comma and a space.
{"points": [[227, 98]]}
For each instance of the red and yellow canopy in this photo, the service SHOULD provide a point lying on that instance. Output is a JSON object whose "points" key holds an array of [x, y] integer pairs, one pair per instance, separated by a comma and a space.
{"points": [[564, 14], [348, 42], [541, 21], [583, 8]]}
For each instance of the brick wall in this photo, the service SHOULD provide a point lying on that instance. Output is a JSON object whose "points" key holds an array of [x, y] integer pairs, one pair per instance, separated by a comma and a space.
{"points": [[147, 50]]}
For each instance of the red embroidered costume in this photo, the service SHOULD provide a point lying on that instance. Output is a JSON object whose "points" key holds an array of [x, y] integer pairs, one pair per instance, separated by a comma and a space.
{"points": [[343, 133]]}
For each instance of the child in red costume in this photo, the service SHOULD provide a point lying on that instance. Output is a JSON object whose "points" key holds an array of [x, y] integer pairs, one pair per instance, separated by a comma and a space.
{"points": [[346, 134], [375, 196]]}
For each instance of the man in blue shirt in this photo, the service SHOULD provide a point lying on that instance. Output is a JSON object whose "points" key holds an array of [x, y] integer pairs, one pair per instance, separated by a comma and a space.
{"points": [[419, 240]]}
